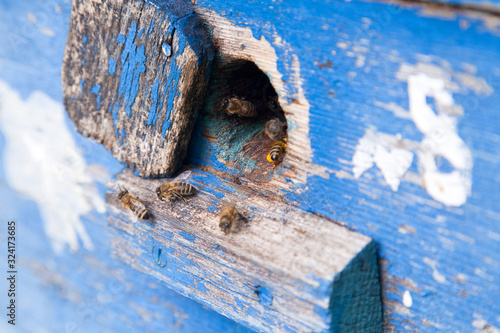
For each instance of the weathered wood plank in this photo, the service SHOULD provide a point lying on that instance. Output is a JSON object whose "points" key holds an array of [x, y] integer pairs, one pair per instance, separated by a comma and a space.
{"points": [[284, 270], [358, 63], [134, 76]]}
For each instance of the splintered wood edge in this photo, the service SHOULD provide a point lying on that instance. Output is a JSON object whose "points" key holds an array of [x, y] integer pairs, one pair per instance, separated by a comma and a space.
{"points": [[296, 255]]}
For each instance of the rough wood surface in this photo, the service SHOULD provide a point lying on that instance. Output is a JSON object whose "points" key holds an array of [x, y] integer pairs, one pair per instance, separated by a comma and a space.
{"points": [[440, 265], [282, 270], [134, 76]]}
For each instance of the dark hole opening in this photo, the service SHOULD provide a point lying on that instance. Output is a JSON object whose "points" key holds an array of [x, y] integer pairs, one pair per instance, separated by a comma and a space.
{"points": [[240, 141]]}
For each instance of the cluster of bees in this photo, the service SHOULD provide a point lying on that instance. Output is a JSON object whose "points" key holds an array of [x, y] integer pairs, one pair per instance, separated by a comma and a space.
{"points": [[178, 188], [275, 129]]}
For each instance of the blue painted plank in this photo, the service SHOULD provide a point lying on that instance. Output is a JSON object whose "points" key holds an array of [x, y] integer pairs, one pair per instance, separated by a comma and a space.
{"points": [[444, 258], [278, 269], [149, 93], [85, 290], [359, 64]]}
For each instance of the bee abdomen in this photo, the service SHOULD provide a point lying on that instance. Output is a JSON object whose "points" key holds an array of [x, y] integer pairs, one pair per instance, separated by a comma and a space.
{"points": [[184, 188], [140, 212], [248, 109], [276, 150]]}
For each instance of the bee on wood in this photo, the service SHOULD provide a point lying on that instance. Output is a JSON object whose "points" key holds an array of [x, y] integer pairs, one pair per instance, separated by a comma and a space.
{"points": [[275, 129], [177, 188], [239, 106], [277, 151], [229, 217], [133, 204]]}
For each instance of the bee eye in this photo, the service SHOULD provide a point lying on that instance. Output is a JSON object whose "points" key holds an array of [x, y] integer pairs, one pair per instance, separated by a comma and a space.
{"points": [[226, 101]]}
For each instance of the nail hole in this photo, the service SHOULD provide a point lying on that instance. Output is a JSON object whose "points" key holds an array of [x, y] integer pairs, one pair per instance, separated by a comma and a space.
{"points": [[264, 295], [159, 256]]}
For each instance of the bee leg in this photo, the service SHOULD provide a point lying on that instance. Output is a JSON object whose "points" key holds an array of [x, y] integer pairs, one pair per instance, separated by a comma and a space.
{"points": [[180, 197]]}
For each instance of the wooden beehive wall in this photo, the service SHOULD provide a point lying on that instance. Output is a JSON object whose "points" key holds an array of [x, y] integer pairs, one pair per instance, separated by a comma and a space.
{"points": [[361, 83]]}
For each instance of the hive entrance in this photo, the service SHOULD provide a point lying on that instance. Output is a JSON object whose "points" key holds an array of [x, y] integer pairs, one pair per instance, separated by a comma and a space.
{"points": [[242, 144]]}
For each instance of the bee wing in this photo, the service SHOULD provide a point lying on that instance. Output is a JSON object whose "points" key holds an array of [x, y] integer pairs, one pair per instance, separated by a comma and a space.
{"points": [[182, 177]]}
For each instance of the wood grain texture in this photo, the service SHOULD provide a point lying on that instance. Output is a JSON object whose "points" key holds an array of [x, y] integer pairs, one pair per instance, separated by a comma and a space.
{"points": [[355, 61], [440, 265], [134, 76], [282, 270]]}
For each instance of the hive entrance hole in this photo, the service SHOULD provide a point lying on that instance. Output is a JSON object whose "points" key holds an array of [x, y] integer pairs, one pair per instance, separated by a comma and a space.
{"points": [[243, 145]]}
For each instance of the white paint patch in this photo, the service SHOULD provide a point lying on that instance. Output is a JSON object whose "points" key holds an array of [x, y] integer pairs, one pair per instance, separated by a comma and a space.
{"points": [[43, 163], [384, 151], [441, 139], [407, 300], [393, 156], [482, 326], [438, 277]]}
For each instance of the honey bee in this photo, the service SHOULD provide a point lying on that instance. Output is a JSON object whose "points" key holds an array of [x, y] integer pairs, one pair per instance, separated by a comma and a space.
{"points": [[177, 188], [133, 204], [228, 217], [277, 151], [239, 106], [275, 129]]}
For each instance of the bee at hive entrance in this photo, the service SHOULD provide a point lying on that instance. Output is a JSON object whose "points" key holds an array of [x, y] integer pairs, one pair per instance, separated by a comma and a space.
{"points": [[242, 117]]}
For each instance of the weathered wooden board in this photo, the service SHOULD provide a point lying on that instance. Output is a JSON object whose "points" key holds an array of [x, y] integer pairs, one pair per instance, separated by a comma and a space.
{"points": [[282, 270], [364, 69], [134, 76], [439, 264]]}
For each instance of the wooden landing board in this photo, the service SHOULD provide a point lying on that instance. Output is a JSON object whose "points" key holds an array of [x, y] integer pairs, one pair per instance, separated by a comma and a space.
{"points": [[134, 75], [283, 270]]}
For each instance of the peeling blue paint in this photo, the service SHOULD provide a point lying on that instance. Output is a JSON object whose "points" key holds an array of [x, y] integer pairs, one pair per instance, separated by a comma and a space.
{"points": [[171, 92], [187, 236], [132, 59], [84, 39], [95, 90], [111, 66], [264, 295], [151, 26], [200, 286], [153, 113], [120, 38], [211, 190]]}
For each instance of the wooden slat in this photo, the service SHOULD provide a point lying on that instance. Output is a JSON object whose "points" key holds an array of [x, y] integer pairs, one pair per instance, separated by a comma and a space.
{"points": [[285, 270], [134, 76]]}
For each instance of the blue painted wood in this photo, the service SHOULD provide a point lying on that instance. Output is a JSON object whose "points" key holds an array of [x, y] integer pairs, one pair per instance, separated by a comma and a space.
{"points": [[136, 84], [280, 269], [445, 258], [87, 290]]}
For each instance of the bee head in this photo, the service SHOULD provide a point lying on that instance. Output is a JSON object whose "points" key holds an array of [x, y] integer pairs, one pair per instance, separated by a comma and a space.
{"points": [[158, 192], [232, 105], [224, 226], [122, 193]]}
